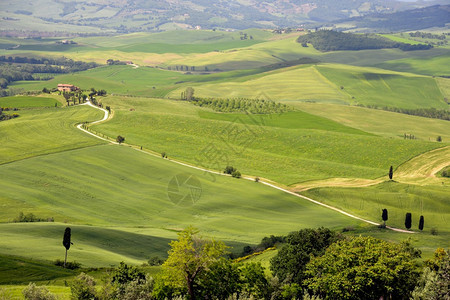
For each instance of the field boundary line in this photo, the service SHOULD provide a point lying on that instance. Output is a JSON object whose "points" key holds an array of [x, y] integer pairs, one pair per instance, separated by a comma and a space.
{"points": [[106, 116]]}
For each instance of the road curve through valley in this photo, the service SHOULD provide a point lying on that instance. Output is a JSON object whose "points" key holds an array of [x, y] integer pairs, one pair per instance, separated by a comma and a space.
{"points": [[106, 116]]}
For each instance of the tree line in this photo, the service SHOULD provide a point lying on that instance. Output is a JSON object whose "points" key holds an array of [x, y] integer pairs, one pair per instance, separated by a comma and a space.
{"points": [[24, 68], [329, 40], [310, 264], [421, 112], [254, 106]]}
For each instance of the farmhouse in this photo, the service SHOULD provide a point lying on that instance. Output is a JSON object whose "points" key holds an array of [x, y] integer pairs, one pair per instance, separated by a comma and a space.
{"points": [[67, 87]]}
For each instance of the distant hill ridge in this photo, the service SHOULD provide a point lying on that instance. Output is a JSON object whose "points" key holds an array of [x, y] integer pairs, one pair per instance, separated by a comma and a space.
{"points": [[415, 19], [156, 15]]}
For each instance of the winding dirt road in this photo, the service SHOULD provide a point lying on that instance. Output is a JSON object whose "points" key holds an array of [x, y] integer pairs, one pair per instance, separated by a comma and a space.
{"points": [[293, 193]]}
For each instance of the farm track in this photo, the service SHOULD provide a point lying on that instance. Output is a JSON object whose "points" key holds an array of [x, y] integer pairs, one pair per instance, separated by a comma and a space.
{"points": [[272, 185]]}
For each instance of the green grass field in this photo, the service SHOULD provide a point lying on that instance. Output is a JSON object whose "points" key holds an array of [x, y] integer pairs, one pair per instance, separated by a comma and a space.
{"points": [[26, 101], [382, 123], [42, 131], [15, 270], [190, 133], [90, 185]]}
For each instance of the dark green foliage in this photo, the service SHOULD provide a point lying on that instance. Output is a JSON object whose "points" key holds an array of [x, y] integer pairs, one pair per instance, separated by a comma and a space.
{"points": [[229, 170], [221, 281], [115, 62], [408, 221], [364, 268], [384, 216], [290, 262], [391, 172], [71, 265], [155, 261], [236, 174], [225, 278], [435, 278], [253, 106], [432, 113], [30, 217], [328, 40], [125, 273], [421, 223], [120, 139], [22, 68], [439, 139]]}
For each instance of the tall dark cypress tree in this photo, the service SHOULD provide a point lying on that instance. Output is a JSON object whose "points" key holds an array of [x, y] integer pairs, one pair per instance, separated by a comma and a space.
{"points": [[408, 221], [384, 215], [67, 242], [391, 173], [421, 223]]}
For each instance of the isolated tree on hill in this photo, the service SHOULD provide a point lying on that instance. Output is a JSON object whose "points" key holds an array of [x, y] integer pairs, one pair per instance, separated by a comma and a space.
{"points": [[391, 173], [120, 139], [384, 216], [408, 221], [421, 223], [67, 242], [189, 94]]}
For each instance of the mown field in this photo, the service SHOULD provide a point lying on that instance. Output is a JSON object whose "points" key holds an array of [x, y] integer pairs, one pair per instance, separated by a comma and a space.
{"points": [[323, 150]]}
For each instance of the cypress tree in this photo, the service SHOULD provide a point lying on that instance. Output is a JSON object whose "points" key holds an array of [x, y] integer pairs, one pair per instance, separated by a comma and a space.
{"points": [[67, 242], [421, 223], [408, 221], [384, 215], [391, 173]]}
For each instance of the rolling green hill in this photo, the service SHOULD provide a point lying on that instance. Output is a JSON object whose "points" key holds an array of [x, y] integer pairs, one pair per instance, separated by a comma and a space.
{"points": [[185, 132], [39, 131]]}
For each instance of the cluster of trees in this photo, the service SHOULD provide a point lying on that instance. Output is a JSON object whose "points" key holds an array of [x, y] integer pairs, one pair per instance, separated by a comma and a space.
{"points": [[69, 65], [311, 264], [421, 112], [428, 35], [4, 117], [115, 62], [254, 106], [232, 171], [80, 96], [30, 217], [329, 40], [184, 68]]}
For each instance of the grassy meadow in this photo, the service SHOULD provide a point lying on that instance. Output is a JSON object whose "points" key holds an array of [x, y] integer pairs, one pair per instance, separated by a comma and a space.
{"points": [[28, 102], [45, 130], [308, 147], [89, 186]]}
